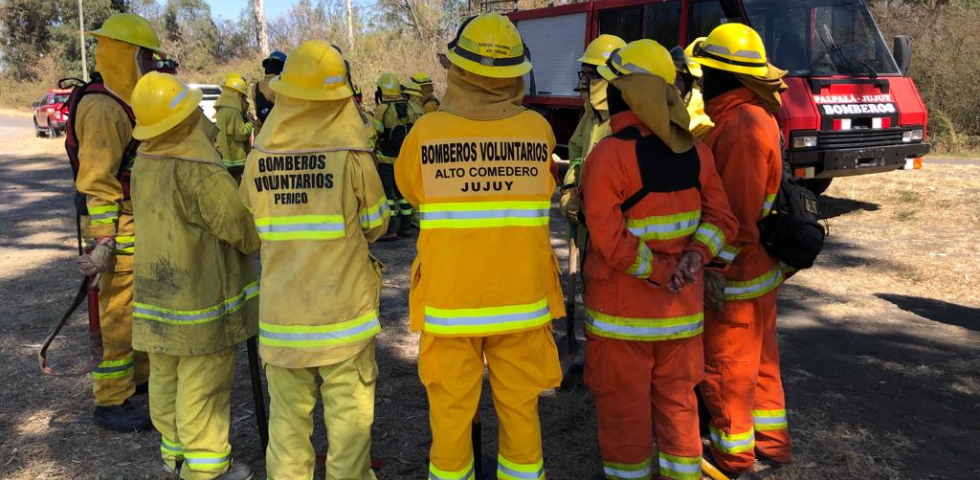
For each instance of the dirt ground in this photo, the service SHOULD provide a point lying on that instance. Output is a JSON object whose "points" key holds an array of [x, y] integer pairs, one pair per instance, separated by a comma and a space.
{"points": [[880, 343]]}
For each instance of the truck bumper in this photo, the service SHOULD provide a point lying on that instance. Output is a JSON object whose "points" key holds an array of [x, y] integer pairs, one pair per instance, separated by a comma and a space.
{"points": [[856, 161]]}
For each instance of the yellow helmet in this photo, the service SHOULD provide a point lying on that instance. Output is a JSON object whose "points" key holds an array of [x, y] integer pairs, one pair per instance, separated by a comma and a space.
{"points": [[160, 102], [129, 28], [389, 85], [733, 47], [236, 82], [640, 56], [314, 71], [599, 49], [489, 45], [412, 88], [693, 66], [422, 79]]}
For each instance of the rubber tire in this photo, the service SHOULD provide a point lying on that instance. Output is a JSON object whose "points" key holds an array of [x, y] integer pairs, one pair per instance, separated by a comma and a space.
{"points": [[37, 130], [818, 185]]}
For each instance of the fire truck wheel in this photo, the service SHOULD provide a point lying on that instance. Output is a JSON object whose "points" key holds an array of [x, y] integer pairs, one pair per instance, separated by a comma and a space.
{"points": [[818, 185]]}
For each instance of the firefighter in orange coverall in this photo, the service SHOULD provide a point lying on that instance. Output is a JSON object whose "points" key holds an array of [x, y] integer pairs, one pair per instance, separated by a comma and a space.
{"points": [[655, 222], [485, 284], [742, 388]]}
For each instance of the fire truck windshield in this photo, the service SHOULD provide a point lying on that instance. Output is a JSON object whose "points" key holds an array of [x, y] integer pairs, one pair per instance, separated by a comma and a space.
{"points": [[821, 37]]}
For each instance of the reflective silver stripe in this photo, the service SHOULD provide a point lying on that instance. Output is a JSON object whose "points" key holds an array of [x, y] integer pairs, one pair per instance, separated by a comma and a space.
{"points": [[488, 320], [645, 472], [655, 228], [695, 326], [150, 312], [104, 216], [484, 214], [300, 227], [501, 468], [680, 467], [319, 336]]}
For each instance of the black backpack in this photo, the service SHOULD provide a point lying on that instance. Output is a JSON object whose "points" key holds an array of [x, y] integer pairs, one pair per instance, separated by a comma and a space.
{"points": [[792, 233], [393, 137], [661, 170]]}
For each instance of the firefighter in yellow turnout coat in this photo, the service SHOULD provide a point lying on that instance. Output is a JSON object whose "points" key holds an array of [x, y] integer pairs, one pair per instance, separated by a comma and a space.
{"points": [[104, 130], [317, 201], [234, 128], [187, 317], [485, 285]]}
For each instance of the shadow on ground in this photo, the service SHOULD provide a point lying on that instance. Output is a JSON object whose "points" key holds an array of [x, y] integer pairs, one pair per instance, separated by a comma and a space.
{"points": [[831, 207], [937, 310]]}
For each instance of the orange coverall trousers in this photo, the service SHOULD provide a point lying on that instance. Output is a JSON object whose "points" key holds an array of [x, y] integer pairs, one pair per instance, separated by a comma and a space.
{"points": [[641, 387], [742, 387]]}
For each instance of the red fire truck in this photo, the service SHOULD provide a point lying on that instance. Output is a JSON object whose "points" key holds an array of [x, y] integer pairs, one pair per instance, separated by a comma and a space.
{"points": [[850, 109]]}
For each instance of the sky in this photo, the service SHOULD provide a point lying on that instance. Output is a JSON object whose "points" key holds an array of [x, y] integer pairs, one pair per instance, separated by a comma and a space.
{"points": [[231, 8]]}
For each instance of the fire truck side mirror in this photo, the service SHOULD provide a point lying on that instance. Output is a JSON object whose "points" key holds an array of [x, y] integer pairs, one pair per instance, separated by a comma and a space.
{"points": [[902, 51]]}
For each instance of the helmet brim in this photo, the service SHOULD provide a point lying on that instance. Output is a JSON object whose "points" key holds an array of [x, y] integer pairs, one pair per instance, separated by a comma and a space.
{"points": [[760, 71], [101, 33], [594, 61], [606, 72], [511, 71], [283, 88], [145, 132]]}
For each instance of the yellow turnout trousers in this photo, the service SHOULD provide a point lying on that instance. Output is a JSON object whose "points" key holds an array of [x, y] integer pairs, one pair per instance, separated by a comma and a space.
{"points": [[115, 379], [348, 411], [521, 366], [190, 405]]}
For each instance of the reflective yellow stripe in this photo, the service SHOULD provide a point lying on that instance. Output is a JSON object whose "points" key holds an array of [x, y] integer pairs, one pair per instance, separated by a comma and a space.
{"points": [[313, 336], [405, 208], [301, 227], [374, 216], [206, 460], [170, 448], [234, 163], [112, 369], [642, 267], [463, 321], [756, 287], [768, 420], [767, 205], [508, 470], [193, 317], [484, 214], [729, 253], [103, 214], [733, 443], [711, 236], [673, 467], [464, 474], [644, 329], [665, 227], [628, 471], [125, 244]]}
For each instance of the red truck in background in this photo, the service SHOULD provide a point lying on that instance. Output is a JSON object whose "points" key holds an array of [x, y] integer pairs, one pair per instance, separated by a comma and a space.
{"points": [[850, 109], [51, 113]]}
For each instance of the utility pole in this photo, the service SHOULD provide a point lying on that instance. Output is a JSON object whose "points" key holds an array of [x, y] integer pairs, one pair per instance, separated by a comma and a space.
{"points": [[350, 25], [262, 35], [81, 41]]}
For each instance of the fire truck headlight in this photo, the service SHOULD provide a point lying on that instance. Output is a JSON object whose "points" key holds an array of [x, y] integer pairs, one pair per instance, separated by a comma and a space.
{"points": [[912, 135], [804, 141]]}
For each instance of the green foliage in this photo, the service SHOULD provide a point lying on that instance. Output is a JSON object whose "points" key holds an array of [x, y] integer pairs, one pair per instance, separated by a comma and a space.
{"points": [[26, 36]]}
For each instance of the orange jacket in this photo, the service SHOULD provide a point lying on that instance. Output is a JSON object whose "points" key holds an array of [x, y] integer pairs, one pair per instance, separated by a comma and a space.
{"points": [[483, 189], [632, 255], [745, 143]]}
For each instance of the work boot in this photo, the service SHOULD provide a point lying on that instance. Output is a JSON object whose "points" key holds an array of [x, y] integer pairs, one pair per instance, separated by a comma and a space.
{"points": [[123, 418], [237, 471], [405, 226]]}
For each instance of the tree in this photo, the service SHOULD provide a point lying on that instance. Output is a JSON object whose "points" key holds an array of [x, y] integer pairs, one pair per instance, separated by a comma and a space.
{"points": [[262, 32], [26, 35]]}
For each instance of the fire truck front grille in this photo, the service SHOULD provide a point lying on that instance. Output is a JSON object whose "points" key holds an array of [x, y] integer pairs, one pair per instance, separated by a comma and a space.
{"points": [[860, 138]]}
